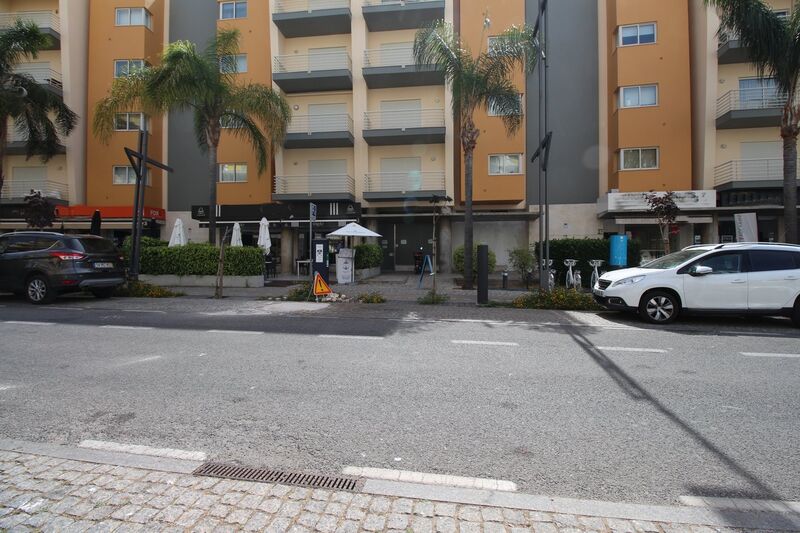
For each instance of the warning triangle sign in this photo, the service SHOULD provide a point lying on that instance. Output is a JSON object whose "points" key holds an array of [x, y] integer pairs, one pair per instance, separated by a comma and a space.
{"points": [[320, 287]]}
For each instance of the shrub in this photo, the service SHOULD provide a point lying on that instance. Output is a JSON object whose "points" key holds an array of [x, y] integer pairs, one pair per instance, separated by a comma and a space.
{"points": [[432, 298], [201, 260], [301, 293], [371, 298], [560, 299], [138, 289], [368, 256], [522, 260], [584, 250], [458, 260]]}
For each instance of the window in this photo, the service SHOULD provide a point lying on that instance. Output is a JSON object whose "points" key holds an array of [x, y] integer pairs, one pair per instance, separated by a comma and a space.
{"points": [[495, 111], [638, 158], [758, 93], [782, 14], [123, 67], [232, 10], [637, 34], [505, 164], [124, 176], [130, 121], [134, 16], [727, 263], [638, 96], [232, 173], [771, 260], [233, 64]]}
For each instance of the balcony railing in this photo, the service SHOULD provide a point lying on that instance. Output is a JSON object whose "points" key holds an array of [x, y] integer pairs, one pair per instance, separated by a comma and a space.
{"points": [[395, 2], [312, 62], [20, 188], [43, 19], [404, 119], [308, 6], [403, 182], [320, 123], [748, 170], [318, 184], [394, 57], [747, 99], [42, 74]]}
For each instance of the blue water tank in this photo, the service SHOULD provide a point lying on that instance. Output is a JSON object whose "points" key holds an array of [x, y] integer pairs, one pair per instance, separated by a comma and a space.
{"points": [[619, 251]]}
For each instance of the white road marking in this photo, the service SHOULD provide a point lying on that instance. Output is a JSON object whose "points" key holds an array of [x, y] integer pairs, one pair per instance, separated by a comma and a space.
{"points": [[202, 355], [7, 387], [430, 479], [142, 360], [760, 354], [742, 504], [625, 349], [125, 327], [144, 450], [66, 308], [143, 311], [352, 337], [732, 407], [235, 331], [485, 343], [28, 323]]}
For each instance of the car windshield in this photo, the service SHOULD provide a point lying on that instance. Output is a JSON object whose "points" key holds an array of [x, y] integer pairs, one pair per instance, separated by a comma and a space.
{"points": [[98, 246], [673, 260]]}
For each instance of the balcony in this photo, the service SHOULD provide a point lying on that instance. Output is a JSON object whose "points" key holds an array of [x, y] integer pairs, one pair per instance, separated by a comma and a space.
{"points": [[319, 131], [749, 173], [306, 18], [18, 144], [316, 187], [321, 71], [413, 126], [399, 186], [387, 15], [396, 67], [731, 51], [750, 108], [47, 21], [43, 75], [17, 190]]}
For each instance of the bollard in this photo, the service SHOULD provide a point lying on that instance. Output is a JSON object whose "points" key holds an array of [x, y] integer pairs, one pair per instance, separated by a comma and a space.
{"points": [[505, 280], [483, 274]]}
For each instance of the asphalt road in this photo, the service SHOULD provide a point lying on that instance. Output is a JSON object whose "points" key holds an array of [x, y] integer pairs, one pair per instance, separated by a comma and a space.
{"points": [[563, 404]]}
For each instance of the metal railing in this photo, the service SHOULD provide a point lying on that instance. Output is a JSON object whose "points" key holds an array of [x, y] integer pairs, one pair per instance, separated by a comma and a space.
{"points": [[404, 181], [404, 119], [316, 184], [16, 137], [337, 60], [320, 123], [41, 73], [726, 36], [391, 57], [308, 6], [743, 99], [20, 188], [43, 19], [395, 2], [749, 170]]}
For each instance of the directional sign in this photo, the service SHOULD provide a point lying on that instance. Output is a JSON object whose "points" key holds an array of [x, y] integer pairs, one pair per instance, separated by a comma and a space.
{"points": [[313, 212], [320, 287]]}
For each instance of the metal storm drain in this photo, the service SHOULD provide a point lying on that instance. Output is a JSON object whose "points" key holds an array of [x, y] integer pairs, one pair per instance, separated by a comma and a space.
{"points": [[264, 475]]}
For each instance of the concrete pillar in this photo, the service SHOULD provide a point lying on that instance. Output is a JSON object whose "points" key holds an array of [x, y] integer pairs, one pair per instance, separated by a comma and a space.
{"points": [[710, 232], [372, 225], [781, 229], [685, 237], [445, 245], [287, 251]]}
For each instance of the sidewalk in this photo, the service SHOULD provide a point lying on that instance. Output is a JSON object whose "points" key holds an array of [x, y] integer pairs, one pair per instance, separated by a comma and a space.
{"points": [[59, 488]]}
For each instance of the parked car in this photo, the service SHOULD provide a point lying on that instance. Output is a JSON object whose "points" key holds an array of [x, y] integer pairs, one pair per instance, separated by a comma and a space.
{"points": [[739, 279], [42, 265]]}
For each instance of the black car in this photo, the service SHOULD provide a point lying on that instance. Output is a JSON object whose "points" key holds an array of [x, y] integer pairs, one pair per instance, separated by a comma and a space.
{"points": [[41, 265]]}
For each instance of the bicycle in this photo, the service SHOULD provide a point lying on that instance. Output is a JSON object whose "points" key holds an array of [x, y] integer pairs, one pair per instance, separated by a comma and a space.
{"points": [[551, 282], [573, 280], [595, 264]]}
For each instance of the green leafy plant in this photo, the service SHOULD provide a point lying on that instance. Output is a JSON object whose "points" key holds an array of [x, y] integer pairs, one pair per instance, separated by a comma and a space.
{"points": [[560, 299], [139, 289], [522, 260], [583, 250], [371, 298], [368, 256], [458, 261], [432, 298], [301, 293], [39, 211], [201, 260]]}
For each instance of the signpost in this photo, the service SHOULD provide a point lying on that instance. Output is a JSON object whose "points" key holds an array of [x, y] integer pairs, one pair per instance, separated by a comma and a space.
{"points": [[312, 217], [321, 288]]}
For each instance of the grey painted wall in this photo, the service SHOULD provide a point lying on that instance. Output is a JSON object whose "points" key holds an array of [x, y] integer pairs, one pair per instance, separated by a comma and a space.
{"points": [[194, 21], [573, 104]]}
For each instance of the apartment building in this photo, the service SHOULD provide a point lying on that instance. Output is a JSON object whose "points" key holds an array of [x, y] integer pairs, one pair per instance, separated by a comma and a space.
{"points": [[736, 122], [61, 68]]}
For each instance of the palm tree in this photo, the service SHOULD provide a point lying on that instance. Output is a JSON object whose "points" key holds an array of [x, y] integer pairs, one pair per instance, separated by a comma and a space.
{"points": [[205, 83], [478, 82], [773, 45], [40, 116]]}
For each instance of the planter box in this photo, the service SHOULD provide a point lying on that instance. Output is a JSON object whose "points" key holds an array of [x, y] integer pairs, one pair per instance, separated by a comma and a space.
{"points": [[366, 273], [203, 281]]}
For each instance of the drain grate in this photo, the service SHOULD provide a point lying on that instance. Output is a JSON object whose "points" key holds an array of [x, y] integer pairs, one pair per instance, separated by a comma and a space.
{"points": [[265, 475]]}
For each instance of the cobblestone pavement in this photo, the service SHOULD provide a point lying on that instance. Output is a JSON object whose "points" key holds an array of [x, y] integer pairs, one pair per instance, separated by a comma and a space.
{"points": [[49, 494]]}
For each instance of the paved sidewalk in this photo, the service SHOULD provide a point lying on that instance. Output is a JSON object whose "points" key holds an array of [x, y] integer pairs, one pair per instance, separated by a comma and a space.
{"points": [[50, 490]]}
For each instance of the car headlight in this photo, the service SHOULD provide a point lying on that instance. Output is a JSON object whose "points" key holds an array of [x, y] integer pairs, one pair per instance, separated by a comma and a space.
{"points": [[629, 281]]}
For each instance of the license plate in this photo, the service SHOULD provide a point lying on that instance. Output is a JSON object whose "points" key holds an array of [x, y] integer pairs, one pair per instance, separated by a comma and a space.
{"points": [[598, 292], [104, 265]]}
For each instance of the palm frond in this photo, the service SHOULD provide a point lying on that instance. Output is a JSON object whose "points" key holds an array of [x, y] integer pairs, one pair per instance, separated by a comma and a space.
{"points": [[517, 47], [503, 97], [22, 40], [439, 45], [126, 95], [264, 104], [245, 128], [41, 118]]}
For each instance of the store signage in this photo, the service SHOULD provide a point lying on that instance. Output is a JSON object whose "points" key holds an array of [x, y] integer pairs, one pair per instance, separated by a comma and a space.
{"points": [[685, 200]]}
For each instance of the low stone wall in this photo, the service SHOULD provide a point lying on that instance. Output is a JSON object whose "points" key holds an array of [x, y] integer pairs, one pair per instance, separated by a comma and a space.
{"points": [[203, 281], [366, 273]]}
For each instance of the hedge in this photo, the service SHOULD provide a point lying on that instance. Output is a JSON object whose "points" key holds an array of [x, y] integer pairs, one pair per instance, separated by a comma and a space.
{"points": [[583, 250], [368, 256], [458, 260], [201, 260], [559, 299]]}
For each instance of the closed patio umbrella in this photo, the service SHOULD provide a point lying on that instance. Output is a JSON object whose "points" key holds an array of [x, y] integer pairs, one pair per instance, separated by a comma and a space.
{"points": [[96, 222], [264, 240], [236, 238], [178, 237]]}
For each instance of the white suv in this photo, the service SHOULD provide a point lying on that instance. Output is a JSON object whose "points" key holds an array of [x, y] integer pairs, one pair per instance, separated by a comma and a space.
{"points": [[741, 278]]}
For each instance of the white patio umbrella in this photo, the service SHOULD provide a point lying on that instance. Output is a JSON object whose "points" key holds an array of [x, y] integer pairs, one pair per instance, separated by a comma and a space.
{"points": [[236, 238], [264, 240], [178, 237], [353, 230]]}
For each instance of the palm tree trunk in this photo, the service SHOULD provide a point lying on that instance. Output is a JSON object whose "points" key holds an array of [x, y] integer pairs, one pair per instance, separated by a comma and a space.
{"points": [[213, 178], [790, 186], [3, 144], [469, 138]]}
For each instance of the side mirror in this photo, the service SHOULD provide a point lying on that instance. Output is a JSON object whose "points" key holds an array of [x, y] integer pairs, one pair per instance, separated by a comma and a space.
{"points": [[701, 270]]}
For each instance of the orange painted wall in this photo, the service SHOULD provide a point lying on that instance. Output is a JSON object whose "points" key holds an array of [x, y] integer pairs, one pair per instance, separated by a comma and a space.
{"points": [[108, 42], [254, 40], [667, 125], [493, 137]]}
